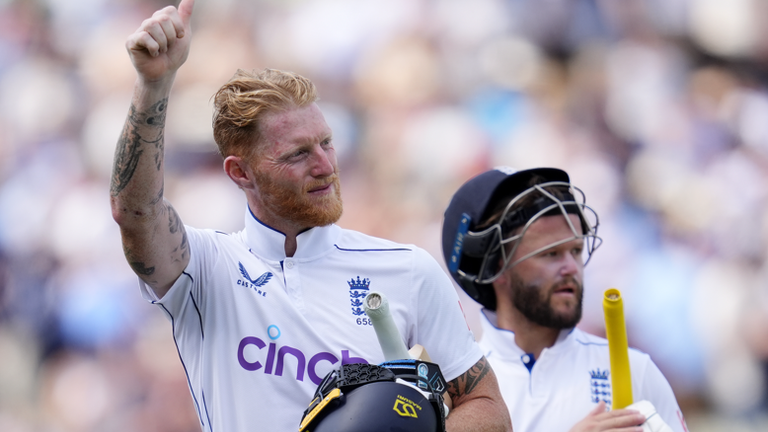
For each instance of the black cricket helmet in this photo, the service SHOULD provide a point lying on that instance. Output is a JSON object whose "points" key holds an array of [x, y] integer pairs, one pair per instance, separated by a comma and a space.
{"points": [[362, 397], [477, 252]]}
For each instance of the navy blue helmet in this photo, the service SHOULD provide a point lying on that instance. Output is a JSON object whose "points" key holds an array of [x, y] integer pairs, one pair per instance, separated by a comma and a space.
{"points": [[489, 214]]}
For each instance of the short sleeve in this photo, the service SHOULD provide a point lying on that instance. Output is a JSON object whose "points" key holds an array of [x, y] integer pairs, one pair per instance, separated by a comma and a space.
{"points": [[443, 329]]}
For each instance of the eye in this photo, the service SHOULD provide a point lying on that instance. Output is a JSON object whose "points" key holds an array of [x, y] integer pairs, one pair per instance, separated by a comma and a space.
{"points": [[551, 253], [326, 143], [298, 154]]}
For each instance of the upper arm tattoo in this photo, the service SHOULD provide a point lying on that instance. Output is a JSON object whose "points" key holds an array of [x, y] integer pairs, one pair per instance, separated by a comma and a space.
{"points": [[174, 221], [175, 225], [141, 268], [468, 381], [130, 146]]}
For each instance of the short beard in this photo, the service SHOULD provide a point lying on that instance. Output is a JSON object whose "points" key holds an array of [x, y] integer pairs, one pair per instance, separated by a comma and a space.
{"points": [[295, 206], [527, 299]]}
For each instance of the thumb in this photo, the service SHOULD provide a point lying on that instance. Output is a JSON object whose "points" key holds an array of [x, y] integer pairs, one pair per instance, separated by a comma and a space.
{"points": [[185, 11]]}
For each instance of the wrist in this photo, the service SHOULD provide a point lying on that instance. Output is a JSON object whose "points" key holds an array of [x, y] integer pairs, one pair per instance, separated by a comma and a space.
{"points": [[149, 91]]}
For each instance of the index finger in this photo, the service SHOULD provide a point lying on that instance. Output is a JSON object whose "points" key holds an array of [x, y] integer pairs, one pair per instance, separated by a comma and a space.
{"points": [[622, 418], [624, 411]]}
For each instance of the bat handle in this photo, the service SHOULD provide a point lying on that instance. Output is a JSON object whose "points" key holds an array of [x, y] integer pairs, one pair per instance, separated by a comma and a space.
{"points": [[377, 308], [618, 349]]}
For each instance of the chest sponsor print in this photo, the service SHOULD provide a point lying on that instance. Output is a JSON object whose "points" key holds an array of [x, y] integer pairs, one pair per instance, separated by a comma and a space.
{"points": [[264, 353]]}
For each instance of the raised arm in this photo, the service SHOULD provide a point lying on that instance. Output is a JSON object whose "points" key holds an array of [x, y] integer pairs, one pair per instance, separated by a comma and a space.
{"points": [[477, 402], [154, 239]]}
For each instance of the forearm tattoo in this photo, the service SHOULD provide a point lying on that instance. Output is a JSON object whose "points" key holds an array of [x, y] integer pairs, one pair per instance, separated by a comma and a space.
{"points": [[467, 382], [132, 144], [159, 196]]}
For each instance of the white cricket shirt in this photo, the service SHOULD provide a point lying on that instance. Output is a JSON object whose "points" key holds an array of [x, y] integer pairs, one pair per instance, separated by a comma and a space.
{"points": [[256, 331], [559, 389]]}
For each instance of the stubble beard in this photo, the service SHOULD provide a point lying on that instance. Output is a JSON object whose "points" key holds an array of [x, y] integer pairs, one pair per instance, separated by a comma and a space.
{"points": [[297, 206], [527, 299]]}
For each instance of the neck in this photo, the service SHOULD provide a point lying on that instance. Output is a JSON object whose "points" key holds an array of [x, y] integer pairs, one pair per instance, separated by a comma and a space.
{"points": [[291, 233], [530, 337], [290, 245], [291, 230]]}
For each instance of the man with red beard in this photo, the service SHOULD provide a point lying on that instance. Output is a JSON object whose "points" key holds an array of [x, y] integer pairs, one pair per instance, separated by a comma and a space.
{"points": [[260, 316], [517, 242]]}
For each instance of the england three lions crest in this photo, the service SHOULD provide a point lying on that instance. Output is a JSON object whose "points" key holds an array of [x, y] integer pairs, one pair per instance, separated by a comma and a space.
{"points": [[358, 289], [600, 386]]}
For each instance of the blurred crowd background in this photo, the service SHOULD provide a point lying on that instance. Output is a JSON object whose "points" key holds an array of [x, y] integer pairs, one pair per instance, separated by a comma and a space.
{"points": [[657, 108]]}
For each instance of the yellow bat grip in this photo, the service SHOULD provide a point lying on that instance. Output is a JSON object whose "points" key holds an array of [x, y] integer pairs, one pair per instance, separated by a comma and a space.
{"points": [[616, 333]]}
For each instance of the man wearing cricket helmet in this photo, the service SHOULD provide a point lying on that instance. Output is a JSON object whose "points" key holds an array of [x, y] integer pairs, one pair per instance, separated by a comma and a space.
{"points": [[517, 243]]}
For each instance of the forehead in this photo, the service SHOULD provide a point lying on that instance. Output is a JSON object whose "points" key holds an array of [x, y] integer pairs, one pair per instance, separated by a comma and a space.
{"points": [[298, 125], [548, 230]]}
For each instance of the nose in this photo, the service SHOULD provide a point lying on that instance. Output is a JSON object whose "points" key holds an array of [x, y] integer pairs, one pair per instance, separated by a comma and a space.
{"points": [[571, 265], [324, 162]]}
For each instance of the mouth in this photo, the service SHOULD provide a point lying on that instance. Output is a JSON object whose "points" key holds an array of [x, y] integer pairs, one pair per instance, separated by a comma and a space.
{"points": [[567, 289], [321, 190]]}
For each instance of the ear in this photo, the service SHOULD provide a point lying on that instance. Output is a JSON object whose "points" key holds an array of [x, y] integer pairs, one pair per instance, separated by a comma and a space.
{"points": [[239, 171], [500, 281], [501, 284]]}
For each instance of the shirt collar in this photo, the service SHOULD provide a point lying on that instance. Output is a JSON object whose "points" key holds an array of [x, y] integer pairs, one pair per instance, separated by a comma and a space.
{"points": [[503, 341], [269, 243]]}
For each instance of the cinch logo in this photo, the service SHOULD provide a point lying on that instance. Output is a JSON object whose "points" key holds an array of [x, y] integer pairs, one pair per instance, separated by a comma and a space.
{"points": [[276, 356]]}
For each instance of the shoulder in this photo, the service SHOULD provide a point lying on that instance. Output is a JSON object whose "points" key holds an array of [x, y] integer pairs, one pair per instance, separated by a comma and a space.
{"points": [[596, 343], [351, 240], [389, 255], [588, 340], [210, 239], [356, 242]]}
